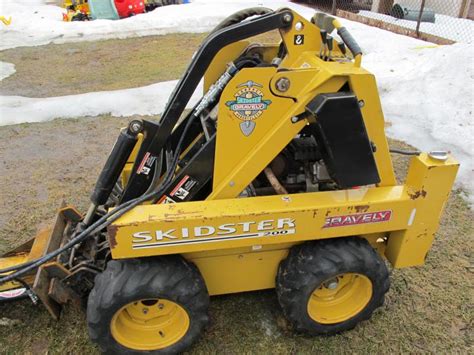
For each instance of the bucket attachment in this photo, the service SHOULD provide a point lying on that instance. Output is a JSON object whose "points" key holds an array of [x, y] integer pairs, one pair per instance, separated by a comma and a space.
{"points": [[42, 282]]}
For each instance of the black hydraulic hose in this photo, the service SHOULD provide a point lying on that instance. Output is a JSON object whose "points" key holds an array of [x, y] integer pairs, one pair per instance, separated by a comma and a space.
{"points": [[240, 16], [104, 221], [405, 152], [350, 41], [87, 230], [93, 228]]}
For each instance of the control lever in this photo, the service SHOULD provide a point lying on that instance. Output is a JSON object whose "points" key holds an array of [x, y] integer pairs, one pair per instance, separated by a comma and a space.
{"points": [[324, 40], [330, 44], [342, 48]]}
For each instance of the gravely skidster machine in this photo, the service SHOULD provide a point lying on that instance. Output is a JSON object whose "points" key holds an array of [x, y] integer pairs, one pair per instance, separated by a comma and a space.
{"points": [[279, 177]]}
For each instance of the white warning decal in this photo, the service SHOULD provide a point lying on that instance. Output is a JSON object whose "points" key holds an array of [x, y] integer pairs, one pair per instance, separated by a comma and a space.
{"points": [[181, 191]]}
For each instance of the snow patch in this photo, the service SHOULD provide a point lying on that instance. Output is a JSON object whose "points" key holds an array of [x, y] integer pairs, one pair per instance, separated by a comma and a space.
{"points": [[147, 100], [440, 114], [34, 24], [6, 70]]}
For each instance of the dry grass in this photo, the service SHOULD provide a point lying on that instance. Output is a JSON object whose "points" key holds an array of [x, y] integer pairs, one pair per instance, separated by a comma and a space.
{"points": [[57, 70], [429, 309], [67, 69]]}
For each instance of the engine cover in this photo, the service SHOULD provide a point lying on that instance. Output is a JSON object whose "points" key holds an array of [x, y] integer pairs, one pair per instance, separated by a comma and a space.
{"points": [[342, 137]]}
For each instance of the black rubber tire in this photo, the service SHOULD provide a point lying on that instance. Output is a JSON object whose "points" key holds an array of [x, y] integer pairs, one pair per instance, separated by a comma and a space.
{"points": [[310, 264], [167, 277]]}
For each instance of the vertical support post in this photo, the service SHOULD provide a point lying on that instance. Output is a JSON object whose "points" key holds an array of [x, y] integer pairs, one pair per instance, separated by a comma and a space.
{"points": [[428, 184], [334, 7], [422, 8], [464, 8]]}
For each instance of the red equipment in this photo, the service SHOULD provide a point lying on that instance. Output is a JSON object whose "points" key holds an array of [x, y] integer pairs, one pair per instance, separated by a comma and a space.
{"points": [[127, 8]]}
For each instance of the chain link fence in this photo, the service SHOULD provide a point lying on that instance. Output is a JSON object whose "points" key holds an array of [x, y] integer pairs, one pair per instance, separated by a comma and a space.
{"points": [[438, 21]]}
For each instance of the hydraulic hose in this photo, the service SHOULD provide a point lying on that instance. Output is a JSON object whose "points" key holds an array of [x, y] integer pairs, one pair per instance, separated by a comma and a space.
{"points": [[240, 16], [87, 231], [102, 222]]}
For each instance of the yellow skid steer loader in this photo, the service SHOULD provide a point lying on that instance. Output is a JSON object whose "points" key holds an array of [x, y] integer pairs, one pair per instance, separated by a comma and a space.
{"points": [[279, 177]]}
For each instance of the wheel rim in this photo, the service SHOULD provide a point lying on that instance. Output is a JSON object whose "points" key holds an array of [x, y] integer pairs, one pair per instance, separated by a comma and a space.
{"points": [[149, 324], [339, 298]]}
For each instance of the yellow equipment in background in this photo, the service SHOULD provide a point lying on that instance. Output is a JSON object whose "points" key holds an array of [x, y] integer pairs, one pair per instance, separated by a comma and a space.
{"points": [[77, 10], [80, 5], [280, 177]]}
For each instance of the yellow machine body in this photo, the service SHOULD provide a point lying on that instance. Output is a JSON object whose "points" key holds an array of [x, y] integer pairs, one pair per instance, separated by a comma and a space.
{"points": [[238, 243]]}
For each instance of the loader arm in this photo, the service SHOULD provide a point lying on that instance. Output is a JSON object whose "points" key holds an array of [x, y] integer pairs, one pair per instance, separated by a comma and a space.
{"points": [[151, 148]]}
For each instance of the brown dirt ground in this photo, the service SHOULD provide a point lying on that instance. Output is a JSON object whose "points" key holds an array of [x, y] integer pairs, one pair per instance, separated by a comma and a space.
{"points": [[428, 308]]}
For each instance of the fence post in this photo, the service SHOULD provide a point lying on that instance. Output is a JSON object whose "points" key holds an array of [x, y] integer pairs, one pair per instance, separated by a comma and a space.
{"points": [[334, 7], [422, 7]]}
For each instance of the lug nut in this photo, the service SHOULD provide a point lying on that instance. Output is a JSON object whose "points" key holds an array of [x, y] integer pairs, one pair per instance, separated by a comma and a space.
{"points": [[331, 284]]}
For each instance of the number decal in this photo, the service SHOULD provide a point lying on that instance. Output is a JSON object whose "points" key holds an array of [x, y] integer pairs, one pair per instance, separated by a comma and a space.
{"points": [[282, 232]]}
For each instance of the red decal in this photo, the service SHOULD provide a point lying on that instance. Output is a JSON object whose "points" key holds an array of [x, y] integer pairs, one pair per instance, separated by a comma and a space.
{"points": [[165, 200], [181, 183], [360, 218], [142, 164]]}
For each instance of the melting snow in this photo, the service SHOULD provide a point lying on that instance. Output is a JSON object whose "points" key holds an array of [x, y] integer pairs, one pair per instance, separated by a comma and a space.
{"points": [[6, 70], [147, 100]]}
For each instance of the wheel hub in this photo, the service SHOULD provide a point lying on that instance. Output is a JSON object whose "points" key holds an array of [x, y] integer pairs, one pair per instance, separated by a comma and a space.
{"points": [[340, 298], [150, 324]]}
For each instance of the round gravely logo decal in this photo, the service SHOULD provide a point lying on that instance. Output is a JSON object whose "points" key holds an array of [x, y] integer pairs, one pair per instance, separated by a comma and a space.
{"points": [[359, 218], [248, 105]]}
